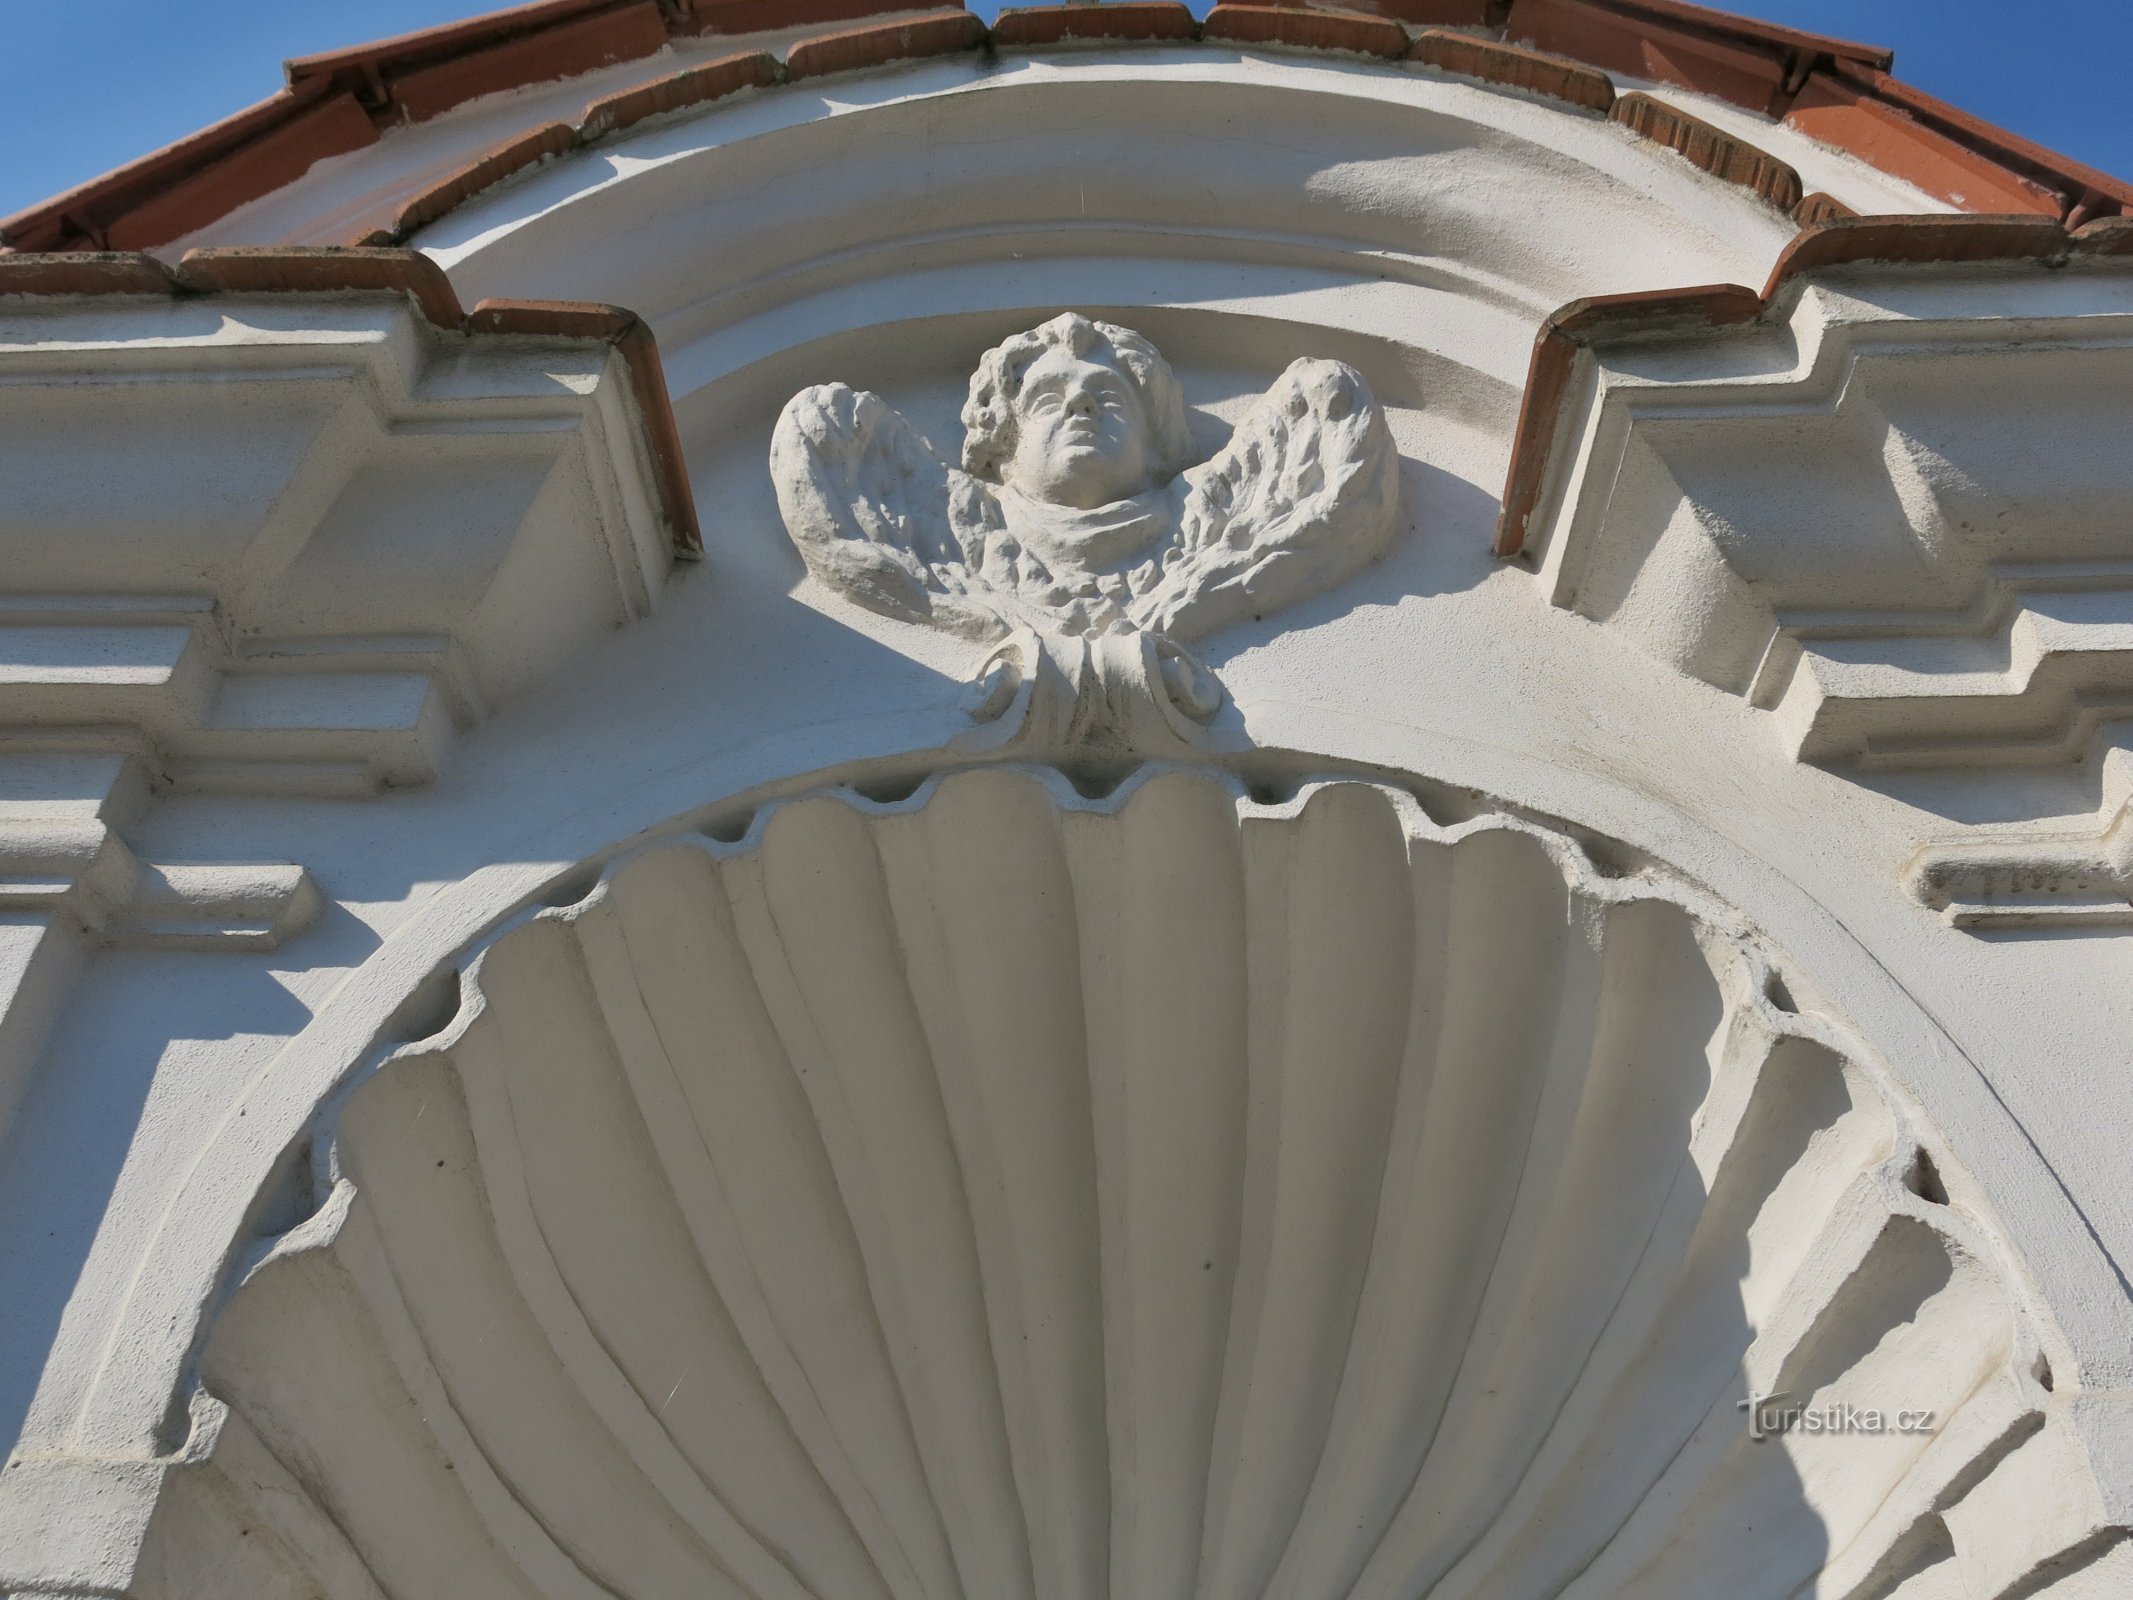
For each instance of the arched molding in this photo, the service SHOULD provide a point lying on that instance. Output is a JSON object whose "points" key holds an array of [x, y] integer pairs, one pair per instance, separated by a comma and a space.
{"points": [[397, 993], [901, 187]]}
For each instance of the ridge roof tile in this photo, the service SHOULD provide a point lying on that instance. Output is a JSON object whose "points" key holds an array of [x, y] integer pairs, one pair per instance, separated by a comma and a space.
{"points": [[1308, 27], [935, 33], [1515, 67], [1031, 27]]}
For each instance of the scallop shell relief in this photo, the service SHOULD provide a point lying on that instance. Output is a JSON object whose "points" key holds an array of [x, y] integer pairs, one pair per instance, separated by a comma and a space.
{"points": [[1007, 1195]]}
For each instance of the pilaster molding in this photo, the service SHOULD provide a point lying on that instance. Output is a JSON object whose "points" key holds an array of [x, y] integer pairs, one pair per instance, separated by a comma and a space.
{"points": [[1883, 502], [284, 523]]}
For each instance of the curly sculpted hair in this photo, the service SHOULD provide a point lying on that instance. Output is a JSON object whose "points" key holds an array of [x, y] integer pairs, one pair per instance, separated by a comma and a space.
{"points": [[989, 413]]}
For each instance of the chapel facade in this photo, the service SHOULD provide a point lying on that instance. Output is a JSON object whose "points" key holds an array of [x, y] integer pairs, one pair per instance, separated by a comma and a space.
{"points": [[816, 803]]}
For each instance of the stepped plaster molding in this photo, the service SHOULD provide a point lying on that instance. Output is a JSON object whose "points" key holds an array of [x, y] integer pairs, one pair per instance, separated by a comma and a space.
{"points": [[1772, 496], [334, 573], [280, 523]]}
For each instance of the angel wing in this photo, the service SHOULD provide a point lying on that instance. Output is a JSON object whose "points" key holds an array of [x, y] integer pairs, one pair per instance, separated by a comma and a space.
{"points": [[880, 518], [1305, 494]]}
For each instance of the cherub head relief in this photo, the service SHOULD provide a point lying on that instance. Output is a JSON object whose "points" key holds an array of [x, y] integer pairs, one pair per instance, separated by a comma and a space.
{"points": [[1078, 509], [1078, 413]]}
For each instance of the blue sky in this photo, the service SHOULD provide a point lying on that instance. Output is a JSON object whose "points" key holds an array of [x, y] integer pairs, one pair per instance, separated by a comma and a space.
{"points": [[88, 84]]}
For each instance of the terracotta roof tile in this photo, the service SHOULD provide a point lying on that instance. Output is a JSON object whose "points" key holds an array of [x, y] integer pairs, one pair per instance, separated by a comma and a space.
{"points": [[1751, 32], [1437, 13], [278, 155], [485, 171], [1842, 111], [1548, 375], [1820, 207], [1719, 153], [2106, 236], [86, 272], [1975, 133], [323, 270], [698, 17], [1515, 68], [695, 86], [1314, 28], [1127, 20], [405, 51], [561, 319], [1945, 240], [952, 29], [628, 33], [1647, 47], [81, 218], [937, 34]]}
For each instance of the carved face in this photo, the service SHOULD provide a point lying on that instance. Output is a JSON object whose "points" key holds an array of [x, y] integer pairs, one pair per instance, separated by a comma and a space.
{"points": [[1082, 434]]}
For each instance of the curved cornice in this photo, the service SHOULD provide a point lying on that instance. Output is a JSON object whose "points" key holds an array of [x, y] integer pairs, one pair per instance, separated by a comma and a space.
{"points": [[397, 273], [783, 218], [389, 197], [334, 104], [1692, 313]]}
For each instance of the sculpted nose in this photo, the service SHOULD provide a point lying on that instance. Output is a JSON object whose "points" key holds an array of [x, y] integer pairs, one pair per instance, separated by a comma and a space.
{"points": [[1081, 403]]}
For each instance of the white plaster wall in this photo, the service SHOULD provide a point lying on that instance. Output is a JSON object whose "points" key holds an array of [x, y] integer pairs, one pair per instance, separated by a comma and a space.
{"points": [[1240, 209]]}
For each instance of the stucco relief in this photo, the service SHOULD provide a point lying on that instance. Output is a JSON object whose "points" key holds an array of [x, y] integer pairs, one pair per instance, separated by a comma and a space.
{"points": [[1077, 509]]}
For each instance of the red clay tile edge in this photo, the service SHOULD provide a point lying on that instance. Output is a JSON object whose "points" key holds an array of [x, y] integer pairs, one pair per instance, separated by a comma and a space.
{"points": [[1753, 32], [1820, 207], [1690, 313], [855, 49], [1355, 32], [1713, 149], [942, 32], [677, 91], [1033, 27], [439, 67], [189, 184], [1515, 68], [629, 32], [1773, 70], [2081, 193], [299, 270], [485, 171]]}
